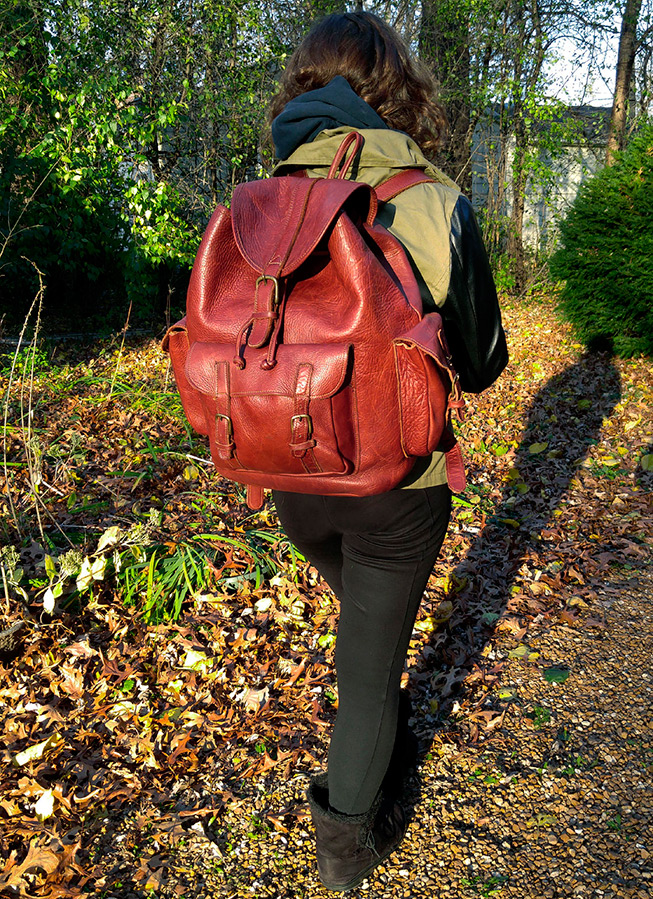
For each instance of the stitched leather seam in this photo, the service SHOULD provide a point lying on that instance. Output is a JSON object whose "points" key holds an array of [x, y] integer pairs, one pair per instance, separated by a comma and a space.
{"points": [[357, 438], [280, 265], [424, 359], [293, 239], [314, 462], [402, 437]]}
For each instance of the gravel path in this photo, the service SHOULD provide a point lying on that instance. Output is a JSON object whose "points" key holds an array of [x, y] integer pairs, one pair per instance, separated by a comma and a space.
{"points": [[556, 801]]}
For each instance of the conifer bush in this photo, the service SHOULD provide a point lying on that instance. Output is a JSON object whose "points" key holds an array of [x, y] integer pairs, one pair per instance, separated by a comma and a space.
{"points": [[605, 257]]}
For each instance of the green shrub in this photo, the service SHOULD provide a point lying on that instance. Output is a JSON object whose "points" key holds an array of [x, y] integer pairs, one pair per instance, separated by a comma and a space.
{"points": [[101, 244], [67, 228], [606, 254]]}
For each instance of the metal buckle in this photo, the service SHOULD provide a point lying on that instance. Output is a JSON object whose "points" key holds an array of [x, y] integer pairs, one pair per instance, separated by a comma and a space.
{"points": [[227, 420], [309, 423], [265, 278]]}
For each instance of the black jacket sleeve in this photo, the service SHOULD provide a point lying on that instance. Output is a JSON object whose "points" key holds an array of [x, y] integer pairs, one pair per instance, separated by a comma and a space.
{"points": [[472, 320]]}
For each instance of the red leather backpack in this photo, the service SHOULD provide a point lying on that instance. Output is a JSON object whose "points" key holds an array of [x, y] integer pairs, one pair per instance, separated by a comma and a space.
{"points": [[304, 354]]}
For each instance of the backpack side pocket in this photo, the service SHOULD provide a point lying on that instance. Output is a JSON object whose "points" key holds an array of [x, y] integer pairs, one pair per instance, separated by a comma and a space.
{"points": [[177, 345], [427, 384]]}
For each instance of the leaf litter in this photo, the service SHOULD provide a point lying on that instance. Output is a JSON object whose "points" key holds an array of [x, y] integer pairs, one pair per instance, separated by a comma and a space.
{"points": [[170, 715]]}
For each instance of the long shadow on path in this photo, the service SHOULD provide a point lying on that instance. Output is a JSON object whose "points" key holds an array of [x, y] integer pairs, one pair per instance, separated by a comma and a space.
{"points": [[564, 420]]}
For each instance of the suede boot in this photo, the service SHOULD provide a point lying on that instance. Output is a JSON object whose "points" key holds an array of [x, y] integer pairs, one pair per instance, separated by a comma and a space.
{"points": [[349, 847]]}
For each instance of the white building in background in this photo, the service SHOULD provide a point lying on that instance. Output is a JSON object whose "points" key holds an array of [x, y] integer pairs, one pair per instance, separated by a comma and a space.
{"points": [[556, 176]]}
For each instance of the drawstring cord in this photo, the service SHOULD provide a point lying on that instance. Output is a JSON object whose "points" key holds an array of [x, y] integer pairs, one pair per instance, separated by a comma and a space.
{"points": [[241, 340]]}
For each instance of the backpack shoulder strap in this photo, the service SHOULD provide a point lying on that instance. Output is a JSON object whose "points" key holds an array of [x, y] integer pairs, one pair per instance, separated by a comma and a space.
{"points": [[397, 184], [392, 186]]}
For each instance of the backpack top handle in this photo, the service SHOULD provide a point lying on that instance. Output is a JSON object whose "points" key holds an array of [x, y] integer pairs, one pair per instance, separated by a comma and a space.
{"points": [[341, 157]]}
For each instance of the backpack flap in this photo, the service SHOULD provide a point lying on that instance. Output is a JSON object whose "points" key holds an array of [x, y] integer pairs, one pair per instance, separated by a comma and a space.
{"points": [[296, 417], [278, 222]]}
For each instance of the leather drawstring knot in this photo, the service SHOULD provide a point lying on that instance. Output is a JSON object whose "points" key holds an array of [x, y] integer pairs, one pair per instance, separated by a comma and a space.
{"points": [[241, 340]]}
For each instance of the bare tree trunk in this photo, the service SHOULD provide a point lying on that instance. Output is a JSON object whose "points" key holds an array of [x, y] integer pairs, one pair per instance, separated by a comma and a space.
{"points": [[518, 178], [515, 235], [156, 64], [625, 65], [527, 66], [444, 48]]}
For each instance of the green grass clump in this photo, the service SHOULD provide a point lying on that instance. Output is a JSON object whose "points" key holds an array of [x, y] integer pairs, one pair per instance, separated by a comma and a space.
{"points": [[606, 254]]}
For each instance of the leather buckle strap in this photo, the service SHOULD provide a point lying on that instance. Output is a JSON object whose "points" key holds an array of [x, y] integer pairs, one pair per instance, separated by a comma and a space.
{"points": [[228, 427], [302, 433], [266, 303], [301, 423], [397, 184], [255, 496], [454, 462], [455, 466], [224, 429]]}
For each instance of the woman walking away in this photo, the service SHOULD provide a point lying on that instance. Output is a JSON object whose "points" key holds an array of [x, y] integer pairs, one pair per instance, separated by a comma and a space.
{"points": [[354, 72]]}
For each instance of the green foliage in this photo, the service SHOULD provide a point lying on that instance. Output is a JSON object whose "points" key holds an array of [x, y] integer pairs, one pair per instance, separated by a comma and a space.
{"points": [[123, 125], [159, 580], [606, 254], [70, 231], [156, 579], [121, 129]]}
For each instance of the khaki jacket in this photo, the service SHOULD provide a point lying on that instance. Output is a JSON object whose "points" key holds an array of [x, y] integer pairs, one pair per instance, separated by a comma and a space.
{"points": [[420, 218]]}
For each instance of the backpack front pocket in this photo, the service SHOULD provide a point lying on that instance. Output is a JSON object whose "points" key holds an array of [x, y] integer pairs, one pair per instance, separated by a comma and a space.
{"points": [[295, 418]]}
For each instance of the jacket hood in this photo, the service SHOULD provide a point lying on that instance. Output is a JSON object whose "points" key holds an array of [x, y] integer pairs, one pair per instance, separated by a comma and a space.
{"points": [[383, 150], [331, 106]]}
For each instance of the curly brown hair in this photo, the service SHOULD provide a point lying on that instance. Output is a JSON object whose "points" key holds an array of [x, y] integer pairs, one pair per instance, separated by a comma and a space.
{"points": [[378, 65]]}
